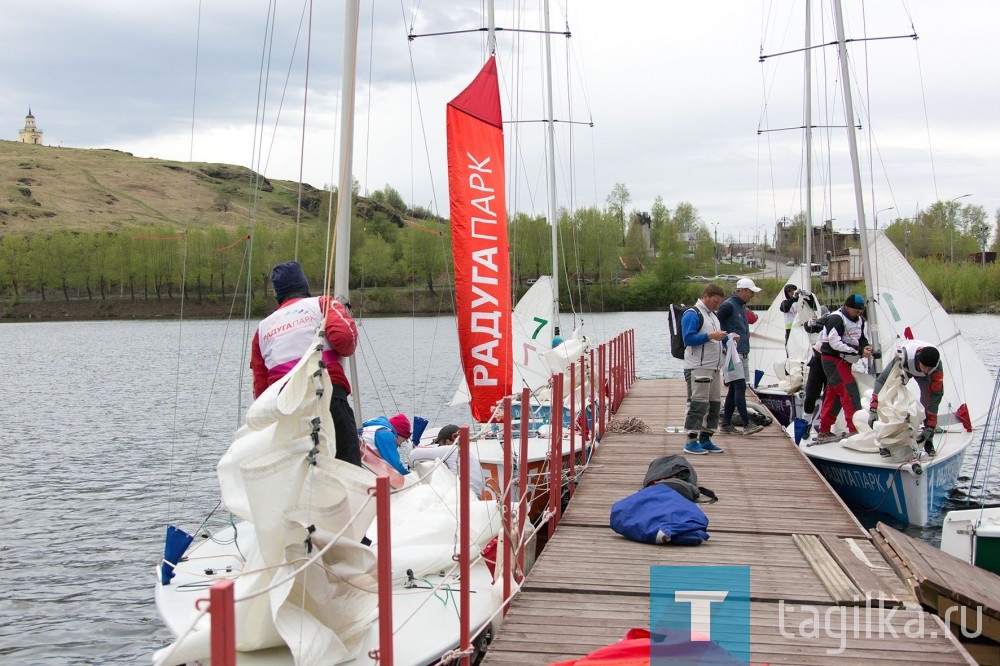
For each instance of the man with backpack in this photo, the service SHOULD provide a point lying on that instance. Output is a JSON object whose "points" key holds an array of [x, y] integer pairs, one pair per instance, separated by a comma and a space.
{"points": [[703, 336]]}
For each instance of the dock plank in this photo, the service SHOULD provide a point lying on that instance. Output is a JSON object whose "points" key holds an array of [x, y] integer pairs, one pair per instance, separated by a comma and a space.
{"points": [[589, 585]]}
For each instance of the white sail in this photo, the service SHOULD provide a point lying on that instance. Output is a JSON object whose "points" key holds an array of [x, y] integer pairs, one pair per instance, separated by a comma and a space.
{"points": [[532, 336], [783, 366], [903, 302]]}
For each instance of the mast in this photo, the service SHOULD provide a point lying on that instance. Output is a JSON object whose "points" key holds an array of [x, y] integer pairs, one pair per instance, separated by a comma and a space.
{"points": [[856, 169], [551, 158], [345, 184], [807, 256]]}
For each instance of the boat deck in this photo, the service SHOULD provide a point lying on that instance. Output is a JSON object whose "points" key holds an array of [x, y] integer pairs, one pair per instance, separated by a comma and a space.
{"points": [[775, 513]]}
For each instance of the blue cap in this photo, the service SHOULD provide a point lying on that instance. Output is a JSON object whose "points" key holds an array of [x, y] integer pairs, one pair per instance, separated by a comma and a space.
{"points": [[855, 301]]}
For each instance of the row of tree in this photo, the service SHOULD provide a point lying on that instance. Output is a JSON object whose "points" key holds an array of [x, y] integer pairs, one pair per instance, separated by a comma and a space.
{"points": [[396, 247]]}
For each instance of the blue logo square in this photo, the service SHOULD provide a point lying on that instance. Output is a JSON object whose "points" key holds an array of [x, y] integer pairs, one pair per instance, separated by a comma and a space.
{"points": [[699, 615]]}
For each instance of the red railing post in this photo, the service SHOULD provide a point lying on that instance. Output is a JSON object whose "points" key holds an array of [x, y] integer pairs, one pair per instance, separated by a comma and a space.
{"points": [[522, 481], [555, 448], [222, 607], [385, 648], [508, 484], [572, 428], [601, 392], [464, 550], [592, 423]]}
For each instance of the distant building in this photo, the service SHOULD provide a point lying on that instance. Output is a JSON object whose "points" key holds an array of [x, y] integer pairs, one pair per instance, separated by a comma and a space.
{"points": [[30, 133]]}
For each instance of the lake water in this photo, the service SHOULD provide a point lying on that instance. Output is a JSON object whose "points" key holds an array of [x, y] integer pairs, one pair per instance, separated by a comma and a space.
{"points": [[111, 433]]}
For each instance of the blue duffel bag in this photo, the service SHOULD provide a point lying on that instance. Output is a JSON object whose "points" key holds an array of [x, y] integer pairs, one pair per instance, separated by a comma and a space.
{"points": [[659, 514]]}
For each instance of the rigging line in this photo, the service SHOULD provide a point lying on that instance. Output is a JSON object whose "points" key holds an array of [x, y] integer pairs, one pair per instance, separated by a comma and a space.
{"points": [[284, 91], [368, 105], [413, 36], [802, 127], [302, 145], [180, 328], [927, 124], [764, 57], [415, 92], [263, 76]]}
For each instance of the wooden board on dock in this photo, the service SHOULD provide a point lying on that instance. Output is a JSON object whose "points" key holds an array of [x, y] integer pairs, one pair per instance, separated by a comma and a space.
{"points": [[945, 583]]}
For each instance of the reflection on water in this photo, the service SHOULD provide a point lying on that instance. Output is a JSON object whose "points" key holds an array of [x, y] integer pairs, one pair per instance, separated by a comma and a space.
{"points": [[110, 433]]}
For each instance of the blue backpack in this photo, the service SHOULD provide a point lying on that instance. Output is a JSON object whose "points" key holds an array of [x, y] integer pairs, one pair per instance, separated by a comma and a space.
{"points": [[659, 514]]}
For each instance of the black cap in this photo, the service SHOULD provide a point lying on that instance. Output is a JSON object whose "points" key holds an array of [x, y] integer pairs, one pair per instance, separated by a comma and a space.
{"points": [[446, 433], [929, 356], [855, 301]]}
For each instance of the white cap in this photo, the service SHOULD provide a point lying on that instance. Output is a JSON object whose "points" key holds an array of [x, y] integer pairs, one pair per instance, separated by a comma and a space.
{"points": [[747, 283]]}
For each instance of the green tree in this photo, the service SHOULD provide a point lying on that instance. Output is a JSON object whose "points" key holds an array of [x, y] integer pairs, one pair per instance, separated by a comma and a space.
{"points": [[531, 245], [376, 262], [660, 216], [617, 201]]}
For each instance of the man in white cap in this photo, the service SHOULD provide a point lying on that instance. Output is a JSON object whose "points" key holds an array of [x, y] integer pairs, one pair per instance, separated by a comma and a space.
{"points": [[733, 318]]}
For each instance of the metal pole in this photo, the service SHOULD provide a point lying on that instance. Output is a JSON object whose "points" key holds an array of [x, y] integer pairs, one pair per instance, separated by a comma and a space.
{"points": [[951, 220], [464, 550], [385, 647], [508, 471]]}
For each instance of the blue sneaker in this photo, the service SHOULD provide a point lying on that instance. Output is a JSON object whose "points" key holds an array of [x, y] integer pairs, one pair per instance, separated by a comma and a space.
{"points": [[695, 448], [710, 447]]}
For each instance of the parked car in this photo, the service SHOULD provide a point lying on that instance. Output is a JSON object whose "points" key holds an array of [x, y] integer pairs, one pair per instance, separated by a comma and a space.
{"points": [[824, 271], [584, 280], [790, 262], [531, 281]]}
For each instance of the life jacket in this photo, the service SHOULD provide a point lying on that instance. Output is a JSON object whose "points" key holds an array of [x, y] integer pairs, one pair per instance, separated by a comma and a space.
{"points": [[908, 358], [288, 332], [708, 355]]}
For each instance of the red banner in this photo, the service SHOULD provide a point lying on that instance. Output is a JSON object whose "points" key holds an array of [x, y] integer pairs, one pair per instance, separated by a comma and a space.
{"points": [[479, 240]]}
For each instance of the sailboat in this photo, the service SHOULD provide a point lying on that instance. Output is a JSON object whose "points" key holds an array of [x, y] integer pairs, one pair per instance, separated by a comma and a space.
{"points": [[502, 351], [780, 364], [912, 487], [297, 547]]}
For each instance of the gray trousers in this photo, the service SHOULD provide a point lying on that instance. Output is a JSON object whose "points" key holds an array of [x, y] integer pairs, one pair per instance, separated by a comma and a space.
{"points": [[705, 389]]}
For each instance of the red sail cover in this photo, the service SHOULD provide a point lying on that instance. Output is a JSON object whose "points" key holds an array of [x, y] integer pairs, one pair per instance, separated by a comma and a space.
{"points": [[479, 240]]}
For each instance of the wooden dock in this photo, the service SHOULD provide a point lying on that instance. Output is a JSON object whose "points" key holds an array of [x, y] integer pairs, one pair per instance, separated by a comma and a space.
{"points": [[775, 513]]}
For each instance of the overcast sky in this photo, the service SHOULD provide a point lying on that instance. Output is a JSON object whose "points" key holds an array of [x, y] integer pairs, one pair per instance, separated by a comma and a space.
{"points": [[674, 89]]}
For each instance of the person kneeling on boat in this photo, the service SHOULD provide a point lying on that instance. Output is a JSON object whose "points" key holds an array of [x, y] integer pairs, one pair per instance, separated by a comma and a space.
{"points": [[445, 448], [921, 361], [388, 437], [283, 337]]}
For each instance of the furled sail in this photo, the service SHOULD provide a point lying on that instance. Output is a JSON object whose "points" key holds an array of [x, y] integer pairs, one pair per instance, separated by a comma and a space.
{"points": [[479, 240]]}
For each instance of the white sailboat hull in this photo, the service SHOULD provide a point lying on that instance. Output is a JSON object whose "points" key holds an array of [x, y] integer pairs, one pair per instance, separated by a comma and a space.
{"points": [[425, 620], [973, 536], [868, 482]]}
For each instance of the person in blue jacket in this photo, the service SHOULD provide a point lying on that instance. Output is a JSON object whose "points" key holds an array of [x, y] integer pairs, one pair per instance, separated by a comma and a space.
{"points": [[386, 436], [702, 361]]}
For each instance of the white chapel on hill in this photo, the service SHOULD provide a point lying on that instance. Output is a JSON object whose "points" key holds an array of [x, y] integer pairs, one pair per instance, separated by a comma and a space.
{"points": [[30, 133]]}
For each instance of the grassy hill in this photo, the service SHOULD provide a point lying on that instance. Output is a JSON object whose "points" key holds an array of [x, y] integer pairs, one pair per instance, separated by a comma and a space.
{"points": [[46, 188]]}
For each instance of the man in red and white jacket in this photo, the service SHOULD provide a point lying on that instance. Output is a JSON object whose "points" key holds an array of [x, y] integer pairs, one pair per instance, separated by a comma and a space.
{"points": [[285, 335], [921, 361]]}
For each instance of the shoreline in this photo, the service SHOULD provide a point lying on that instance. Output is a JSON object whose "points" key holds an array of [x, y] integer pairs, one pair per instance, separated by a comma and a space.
{"points": [[417, 304]]}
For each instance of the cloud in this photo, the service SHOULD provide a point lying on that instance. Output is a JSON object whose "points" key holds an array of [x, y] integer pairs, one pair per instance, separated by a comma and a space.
{"points": [[675, 92]]}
